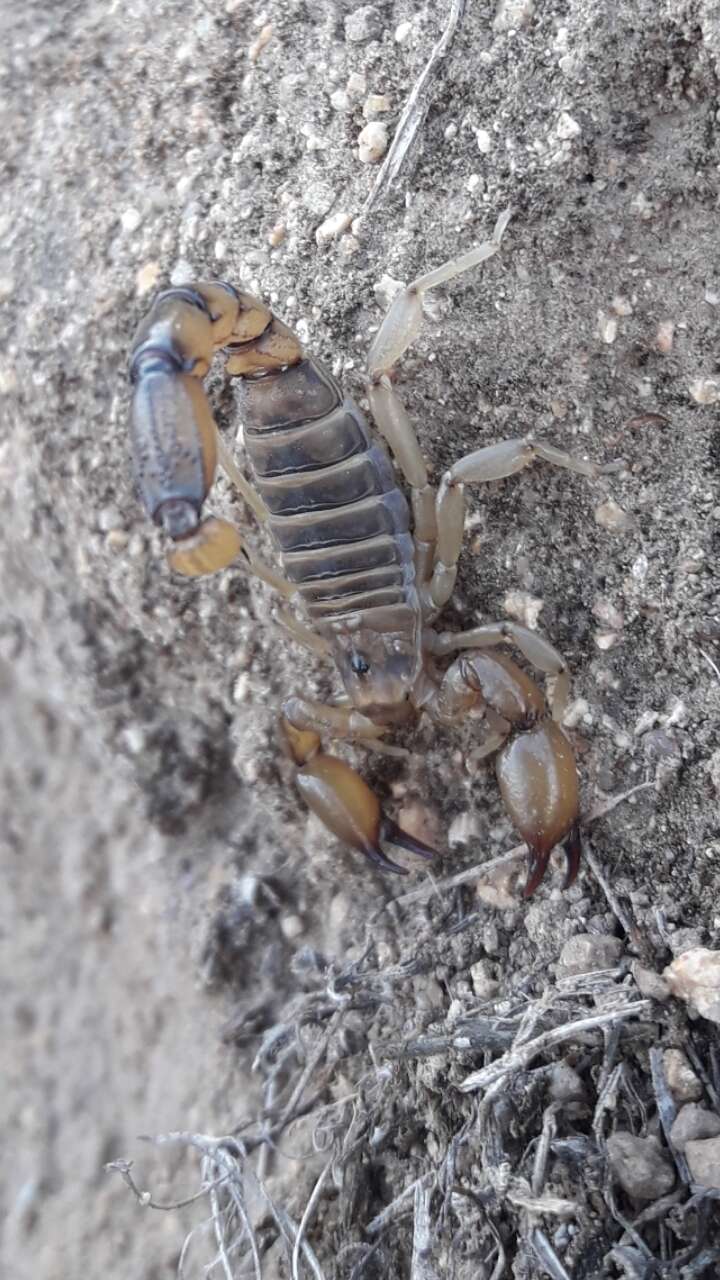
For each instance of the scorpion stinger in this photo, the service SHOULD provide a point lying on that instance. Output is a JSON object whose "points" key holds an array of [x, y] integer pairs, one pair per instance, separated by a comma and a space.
{"points": [[366, 571]]}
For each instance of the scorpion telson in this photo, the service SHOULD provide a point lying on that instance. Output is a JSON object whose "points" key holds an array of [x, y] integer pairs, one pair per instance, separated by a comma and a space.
{"points": [[364, 574]]}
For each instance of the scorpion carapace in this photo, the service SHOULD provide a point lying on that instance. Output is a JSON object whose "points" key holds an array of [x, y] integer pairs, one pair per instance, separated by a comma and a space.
{"points": [[363, 572]]}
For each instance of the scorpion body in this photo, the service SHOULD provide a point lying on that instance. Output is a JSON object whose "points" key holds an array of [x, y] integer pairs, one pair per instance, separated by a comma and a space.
{"points": [[366, 587]]}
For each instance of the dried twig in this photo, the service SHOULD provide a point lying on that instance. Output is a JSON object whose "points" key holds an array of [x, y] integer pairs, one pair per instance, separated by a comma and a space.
{"points": [[517, 1059], [667, 1110], [421, 1267], [145, 1199], [399, 1206], [712, 665], [309, 1210], [547, 1255], [414, 111]]}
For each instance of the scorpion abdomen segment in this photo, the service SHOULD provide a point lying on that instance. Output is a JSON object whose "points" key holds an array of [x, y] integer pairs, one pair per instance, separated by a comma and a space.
{"points": [[334, 506]]}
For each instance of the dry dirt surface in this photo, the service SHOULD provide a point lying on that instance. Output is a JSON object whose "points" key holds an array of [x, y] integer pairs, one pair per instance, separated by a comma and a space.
{"points": [[447, 1081]]}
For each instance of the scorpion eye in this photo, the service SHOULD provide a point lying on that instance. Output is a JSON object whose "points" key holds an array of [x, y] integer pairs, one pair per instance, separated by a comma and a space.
{"points": [[359, 665]]}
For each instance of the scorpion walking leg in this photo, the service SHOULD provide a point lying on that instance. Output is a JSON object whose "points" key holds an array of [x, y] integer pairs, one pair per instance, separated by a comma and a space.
{"points": [[398, 331], [495, 462], [333, 790], [532, 646]]}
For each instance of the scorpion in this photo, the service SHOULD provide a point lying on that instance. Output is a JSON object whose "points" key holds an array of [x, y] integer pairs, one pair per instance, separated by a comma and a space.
{"points": [[357, 585]]}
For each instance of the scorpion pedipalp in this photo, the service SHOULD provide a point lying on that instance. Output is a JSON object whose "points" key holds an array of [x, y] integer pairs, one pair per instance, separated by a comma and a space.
{"points": [[343, 801], [538, 781]]}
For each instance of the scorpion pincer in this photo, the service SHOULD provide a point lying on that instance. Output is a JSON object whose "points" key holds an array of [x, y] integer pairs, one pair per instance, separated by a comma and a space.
{"points": [[358, 585]]}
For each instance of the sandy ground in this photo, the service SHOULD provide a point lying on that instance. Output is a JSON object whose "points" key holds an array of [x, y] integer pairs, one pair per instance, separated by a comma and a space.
{"points": [[159, 874]]}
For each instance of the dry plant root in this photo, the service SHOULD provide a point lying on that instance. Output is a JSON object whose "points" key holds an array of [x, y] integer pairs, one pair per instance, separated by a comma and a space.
{"points": [[363, 573]]}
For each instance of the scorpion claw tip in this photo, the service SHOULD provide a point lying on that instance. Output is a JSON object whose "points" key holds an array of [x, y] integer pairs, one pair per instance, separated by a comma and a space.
{"points": [[539, 859], [540, 856], [381, 860], [394, 834]]}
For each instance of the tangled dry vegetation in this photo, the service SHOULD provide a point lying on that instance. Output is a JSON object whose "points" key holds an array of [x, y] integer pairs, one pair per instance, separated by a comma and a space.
{"points": [[532, 1130]]}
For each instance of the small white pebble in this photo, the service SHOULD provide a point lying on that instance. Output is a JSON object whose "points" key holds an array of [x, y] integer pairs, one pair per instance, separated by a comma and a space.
{"points": [[349, 245], [277, 234], [386, 290], [484, 141], [356, 86], [117, 540], [577, 712], [643, 207], [513, 14], [146, 278], [705, 390], [291, 927], [340, 100], [610, 516], [474, 183], [694, 977], [524, 607], [621, 306], [262, 39], [241, 688], [567, 127], [372, 142], [130, 220], [463, 830], [605, 640], [402, 31], [375, 104], [639, 568], [664, 337], [8, 380], [363, 24], [646, 721], [605, 612], [712, 297], [332, 227], [678, 716], [607, 327]]}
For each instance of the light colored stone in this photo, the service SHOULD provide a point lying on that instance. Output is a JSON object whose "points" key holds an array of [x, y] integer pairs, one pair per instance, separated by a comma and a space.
{"points": [[607, 327], [695, 978], [589, 952], [664, 337], [511, 15], [332, 227], [524, 608], [485, 986], [703, 1157], [372, 142], [565, 1084], [692, 1124], [363, 24], [704, 390], [681, 1079], [611, 516], [463, 829], [130, 220], [375, 104], [649, 983], [567, 127], [640, 1165]]}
